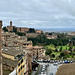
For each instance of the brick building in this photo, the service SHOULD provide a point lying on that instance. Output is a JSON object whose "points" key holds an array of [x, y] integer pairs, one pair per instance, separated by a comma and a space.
{"points": [[23, 30], [10, 28], [19, 29]]}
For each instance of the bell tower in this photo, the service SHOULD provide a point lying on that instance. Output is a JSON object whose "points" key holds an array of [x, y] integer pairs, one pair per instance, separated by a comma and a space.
{"points": [[11, 23], [11, 27]]}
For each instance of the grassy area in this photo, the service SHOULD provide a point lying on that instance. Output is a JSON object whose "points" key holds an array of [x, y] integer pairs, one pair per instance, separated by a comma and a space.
{"points": [[64, 47], [73, 46], [57, 53], [51, 46], [66, 69]]}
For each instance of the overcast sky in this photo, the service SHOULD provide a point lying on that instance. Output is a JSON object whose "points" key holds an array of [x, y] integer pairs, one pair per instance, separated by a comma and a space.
{"points": [[38, 13]]}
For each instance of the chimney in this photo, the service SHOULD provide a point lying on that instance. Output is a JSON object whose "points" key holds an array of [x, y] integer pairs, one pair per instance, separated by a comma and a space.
{"points": [[1, 48], [11, 23]]}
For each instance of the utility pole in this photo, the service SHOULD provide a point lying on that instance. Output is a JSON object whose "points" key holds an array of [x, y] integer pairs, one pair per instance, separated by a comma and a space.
{"points": [[1, 48]]}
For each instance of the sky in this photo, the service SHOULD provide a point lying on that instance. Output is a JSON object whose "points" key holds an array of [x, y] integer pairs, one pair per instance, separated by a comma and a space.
{"points": [[38, 13]]}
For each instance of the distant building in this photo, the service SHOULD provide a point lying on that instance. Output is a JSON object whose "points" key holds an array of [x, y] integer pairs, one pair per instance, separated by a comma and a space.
{"points": [[19, 29], [51, 36], [32, 34], [10, 28], [39, 31], [73, 33], [22, 29]]}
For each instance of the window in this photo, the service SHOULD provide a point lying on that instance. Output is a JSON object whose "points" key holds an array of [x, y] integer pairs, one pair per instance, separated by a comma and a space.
{"points": [[21, 67], [19, 70], [22, 61], [19, 64]]}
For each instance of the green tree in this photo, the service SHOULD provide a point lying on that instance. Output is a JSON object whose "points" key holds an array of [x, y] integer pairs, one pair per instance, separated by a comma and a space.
{"points": [[53, 55], [70, 49], [48, 52], [31, 30], [56, 50], [5, 29], [20, 34], [62, 54], [14, 29], [50, 34], [61, 49]]}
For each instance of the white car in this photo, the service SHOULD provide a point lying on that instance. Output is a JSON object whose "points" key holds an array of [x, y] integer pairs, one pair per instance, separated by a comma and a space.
{"points": [[55, 64], [41, 72], [71, 61]]}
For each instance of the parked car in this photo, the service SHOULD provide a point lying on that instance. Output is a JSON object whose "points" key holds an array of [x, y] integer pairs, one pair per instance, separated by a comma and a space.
{"points": [[66, 61], [70, 61], [55, 64]]}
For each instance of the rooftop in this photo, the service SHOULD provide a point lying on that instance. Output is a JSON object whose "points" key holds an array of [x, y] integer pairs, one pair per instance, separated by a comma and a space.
{"points": [[35, 47], [12, 51], [9, 62]]}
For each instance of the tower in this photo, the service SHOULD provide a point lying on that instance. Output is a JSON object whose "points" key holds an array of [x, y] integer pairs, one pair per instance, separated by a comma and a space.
{"points": [[11, 23], [11, 27], [1, 47]]}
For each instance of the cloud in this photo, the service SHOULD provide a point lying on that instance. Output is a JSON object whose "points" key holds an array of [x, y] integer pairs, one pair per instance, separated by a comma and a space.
{"points": [[38, 13], [67, 6]]}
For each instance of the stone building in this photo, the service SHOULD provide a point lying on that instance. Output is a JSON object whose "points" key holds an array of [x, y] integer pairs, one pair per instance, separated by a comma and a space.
{"points": [[32, 35], [23, 30], [10, 28], [51, 36], [11, 39], [39, 31], [37, 51], [19, 29], [16, 58]]}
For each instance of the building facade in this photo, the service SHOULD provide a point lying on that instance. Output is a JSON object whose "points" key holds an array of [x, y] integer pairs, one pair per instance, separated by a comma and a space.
{"points": [[19, 29], [37, 51], [22, 67]]}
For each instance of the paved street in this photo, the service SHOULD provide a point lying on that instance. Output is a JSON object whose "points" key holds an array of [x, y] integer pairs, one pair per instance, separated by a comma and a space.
{"points": [[50, 69], [40, 68], [33, 72]]}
